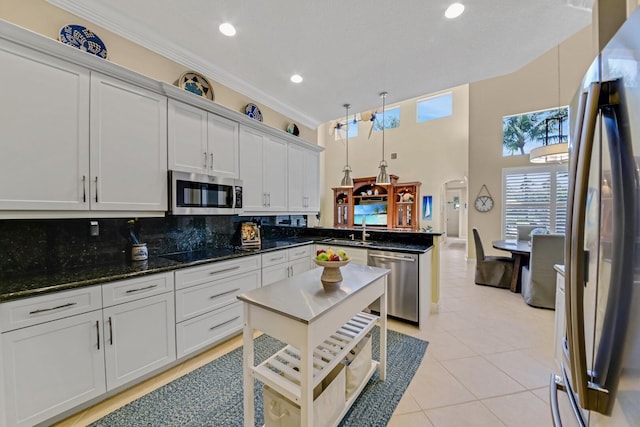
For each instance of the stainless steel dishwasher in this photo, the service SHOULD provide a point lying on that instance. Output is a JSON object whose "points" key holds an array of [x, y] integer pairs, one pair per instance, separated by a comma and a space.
{"points": [[402, 283]]}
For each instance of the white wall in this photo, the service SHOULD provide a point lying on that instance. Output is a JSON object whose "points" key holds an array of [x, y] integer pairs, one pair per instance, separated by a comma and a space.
{"points": [[549, 81]]}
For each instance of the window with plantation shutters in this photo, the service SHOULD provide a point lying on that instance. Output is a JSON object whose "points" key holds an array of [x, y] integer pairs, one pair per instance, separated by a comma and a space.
{"points": [[534, 196]]}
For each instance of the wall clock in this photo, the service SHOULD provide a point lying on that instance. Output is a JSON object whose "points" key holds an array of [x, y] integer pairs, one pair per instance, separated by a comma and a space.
{"points": [[484, 202]]}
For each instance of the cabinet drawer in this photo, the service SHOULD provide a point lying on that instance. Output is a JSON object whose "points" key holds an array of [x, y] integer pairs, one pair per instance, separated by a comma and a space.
{"points": [[300, 252], [199, 299], [218, 270], [275, 258], [208, 329], [133, 289], [45, 308]]}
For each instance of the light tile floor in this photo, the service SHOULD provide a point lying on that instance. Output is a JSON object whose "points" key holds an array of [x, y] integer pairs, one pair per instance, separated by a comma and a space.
{"points": [[488, 363]]}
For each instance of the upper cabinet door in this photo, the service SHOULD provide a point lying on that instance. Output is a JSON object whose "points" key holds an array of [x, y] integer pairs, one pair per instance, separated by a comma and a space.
{"points": [[253, 196], [44, 131], [296, 178], [312, 180], [128, 147], [223, 143], [187, 138], [274, 173], [304, 180]]}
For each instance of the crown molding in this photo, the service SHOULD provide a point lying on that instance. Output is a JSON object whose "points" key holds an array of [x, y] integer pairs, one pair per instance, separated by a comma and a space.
{"points": [[123, 26]]}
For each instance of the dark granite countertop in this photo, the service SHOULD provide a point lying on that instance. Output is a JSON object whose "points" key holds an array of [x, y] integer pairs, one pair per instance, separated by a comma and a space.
{"points": [[24, 286]]}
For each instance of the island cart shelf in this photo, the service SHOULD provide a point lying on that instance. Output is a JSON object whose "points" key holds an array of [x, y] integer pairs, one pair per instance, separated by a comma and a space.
{"points": [[320, 328], [282, 370]]}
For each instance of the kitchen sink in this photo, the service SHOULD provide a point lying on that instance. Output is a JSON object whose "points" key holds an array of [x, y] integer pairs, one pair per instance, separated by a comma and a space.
{"points": [[347, 242]]}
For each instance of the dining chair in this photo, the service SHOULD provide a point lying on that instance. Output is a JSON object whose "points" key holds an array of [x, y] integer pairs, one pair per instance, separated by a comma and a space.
{"points": [[491, 270], [539, 277], [524, 231]]}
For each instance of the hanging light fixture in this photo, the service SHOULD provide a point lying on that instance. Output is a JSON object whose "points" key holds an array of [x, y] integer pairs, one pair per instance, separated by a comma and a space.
{"points": [[551, 153], [347, 180], [555, 152], [383, 176]]}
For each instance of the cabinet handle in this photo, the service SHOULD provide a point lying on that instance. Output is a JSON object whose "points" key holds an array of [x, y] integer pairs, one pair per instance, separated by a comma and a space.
{"points": [[141, 289], [264, 199], [98, 331], [205, 159], [235, 267], [224, 293], [224, 323], [211, 163], [84, 189], [268, 199], [110, 331], [290, 271], [42, 310], [96, 188]]}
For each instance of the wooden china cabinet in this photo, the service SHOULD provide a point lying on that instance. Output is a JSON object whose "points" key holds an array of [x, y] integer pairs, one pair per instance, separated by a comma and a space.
{"points": [[400, 200]]}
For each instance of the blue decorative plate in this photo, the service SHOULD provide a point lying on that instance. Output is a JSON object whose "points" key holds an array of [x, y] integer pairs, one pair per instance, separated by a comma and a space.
{"points": [[253, 111], [196, 83], [84, 39], [293, 129]]}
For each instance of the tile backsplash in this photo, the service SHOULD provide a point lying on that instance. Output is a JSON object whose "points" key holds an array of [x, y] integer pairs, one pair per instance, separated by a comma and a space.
{"points": [[52, 245]]}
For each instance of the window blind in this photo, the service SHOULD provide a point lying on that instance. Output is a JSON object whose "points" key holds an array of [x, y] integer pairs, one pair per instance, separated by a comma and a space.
{"points": [[534, 196]]}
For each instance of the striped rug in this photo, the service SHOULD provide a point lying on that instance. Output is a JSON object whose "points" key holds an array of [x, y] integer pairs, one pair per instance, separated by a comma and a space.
{"points": [[212, 395]]}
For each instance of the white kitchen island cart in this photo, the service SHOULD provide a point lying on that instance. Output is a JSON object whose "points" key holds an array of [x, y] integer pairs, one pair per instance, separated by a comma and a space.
{"points": [[320, 327]]}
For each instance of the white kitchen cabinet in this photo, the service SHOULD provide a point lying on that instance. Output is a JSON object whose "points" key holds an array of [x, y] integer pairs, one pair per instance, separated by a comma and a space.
{"points": [[202, 142], [285, 263], [263, 170], [128, 147], [44, 131], [303, 179], [207, 310], [80, 141], [52, 355], [139, 326]]}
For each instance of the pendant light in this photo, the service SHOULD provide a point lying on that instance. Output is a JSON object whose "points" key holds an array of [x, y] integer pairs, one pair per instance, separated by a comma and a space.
{"points": [[555, 152], [347, 180], [383, 176]]}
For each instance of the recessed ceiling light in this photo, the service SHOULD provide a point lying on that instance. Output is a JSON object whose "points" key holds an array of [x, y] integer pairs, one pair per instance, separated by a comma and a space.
{"points": [[227, 29], [454, 10], [296, 78]]}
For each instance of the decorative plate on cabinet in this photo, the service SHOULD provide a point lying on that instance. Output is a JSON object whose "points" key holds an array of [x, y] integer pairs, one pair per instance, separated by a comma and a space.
{"points": [[196, 83], [83, 39], [253, 111], [293, 129]]}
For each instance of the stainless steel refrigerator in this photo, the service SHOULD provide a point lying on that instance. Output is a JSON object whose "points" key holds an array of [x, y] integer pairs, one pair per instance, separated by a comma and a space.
{"points": [[600, 373]]}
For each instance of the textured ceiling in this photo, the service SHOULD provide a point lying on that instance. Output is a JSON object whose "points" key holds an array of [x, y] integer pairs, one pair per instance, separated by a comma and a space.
{"points": [[347, 51]]}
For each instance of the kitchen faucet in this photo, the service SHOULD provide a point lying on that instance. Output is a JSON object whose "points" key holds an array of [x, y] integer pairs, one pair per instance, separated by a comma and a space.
{"points": [[364, 229]]}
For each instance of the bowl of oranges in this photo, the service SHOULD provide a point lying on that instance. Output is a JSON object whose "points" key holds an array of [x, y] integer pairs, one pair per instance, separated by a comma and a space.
{"points": [[331, 261]]}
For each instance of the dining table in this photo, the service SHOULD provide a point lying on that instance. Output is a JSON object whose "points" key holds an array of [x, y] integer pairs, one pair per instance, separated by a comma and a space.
{"points": [[520, 252]]}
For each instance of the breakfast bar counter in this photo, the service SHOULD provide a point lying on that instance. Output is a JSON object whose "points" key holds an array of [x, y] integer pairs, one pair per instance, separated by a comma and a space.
{"points": [[300, 312]]}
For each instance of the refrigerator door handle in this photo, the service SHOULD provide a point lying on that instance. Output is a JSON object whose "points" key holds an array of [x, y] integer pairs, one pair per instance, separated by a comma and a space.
{"points": [[554, 385], [574, 248]]}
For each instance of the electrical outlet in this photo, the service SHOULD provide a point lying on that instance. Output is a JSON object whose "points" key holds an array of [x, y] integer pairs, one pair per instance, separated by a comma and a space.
{"points": [[394, 156], [94, 228]]}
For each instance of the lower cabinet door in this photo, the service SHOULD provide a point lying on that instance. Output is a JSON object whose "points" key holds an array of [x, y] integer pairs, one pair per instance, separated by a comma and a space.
{"points": [[52, 367], [299, 266], [139, 338], [208, 329], [275, 273]]}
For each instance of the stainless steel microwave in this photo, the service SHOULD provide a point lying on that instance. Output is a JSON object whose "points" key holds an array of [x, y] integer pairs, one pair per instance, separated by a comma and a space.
{"points": [[196, 194]]}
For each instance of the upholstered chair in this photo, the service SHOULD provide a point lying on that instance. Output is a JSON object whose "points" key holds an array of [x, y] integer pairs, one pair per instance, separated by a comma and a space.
{"points": [[524, 231], [491, 270], [539, 277]]}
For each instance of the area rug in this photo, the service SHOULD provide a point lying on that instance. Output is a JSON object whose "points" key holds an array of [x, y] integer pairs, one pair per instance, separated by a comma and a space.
{"points": [[212, 394]]}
